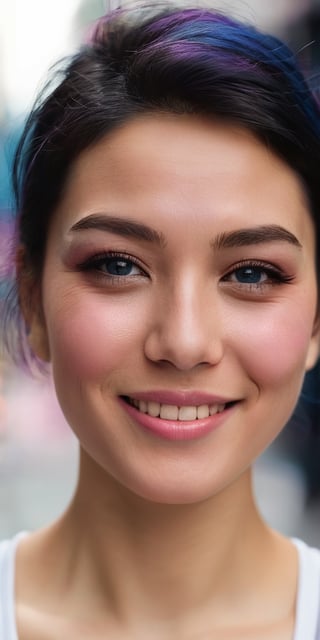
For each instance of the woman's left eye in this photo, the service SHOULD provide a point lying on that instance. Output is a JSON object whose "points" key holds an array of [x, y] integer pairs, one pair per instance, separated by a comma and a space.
{"points": [[249, 275], [255, 276]]}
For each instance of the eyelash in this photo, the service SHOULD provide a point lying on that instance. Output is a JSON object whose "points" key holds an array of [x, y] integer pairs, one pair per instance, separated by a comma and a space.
{"points": [[95, 263], [274, 275]]}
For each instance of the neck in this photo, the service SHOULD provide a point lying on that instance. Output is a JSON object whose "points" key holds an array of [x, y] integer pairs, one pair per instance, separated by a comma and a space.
{"points": [[161, 560], [132, 568]]}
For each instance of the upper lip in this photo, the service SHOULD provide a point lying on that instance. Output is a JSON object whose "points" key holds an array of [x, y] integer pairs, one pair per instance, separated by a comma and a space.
{"points": [[180, 398]]}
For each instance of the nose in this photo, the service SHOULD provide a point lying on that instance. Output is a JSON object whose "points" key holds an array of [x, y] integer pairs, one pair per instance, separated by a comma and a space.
{"points": [[186, 330]]}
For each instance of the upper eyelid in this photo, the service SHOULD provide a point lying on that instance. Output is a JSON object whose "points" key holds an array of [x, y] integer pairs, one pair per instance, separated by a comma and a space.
{"points": [[255, 262], [258, 264], [109, 255], [274, 271]]}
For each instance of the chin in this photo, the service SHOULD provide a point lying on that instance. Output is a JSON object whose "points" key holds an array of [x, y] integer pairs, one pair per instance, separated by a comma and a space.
{"points": [[173, 493]]}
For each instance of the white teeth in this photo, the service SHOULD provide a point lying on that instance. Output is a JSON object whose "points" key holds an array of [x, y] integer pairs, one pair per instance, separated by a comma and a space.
{"points": [[169, 412], [142, 406], [153, 409], [213, 409], [172, 412], [203, 411], [187, 413]]}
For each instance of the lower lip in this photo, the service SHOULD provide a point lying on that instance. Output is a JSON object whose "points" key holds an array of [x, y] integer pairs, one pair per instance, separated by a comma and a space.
{"points": [[176, 429]]}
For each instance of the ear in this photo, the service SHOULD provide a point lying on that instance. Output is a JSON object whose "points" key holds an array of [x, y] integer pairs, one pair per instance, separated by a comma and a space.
{"points": [[314, 345], [31, 306]]}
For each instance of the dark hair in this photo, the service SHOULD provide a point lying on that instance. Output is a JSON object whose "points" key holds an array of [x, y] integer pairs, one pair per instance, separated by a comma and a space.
{"points": [[163, 58]]}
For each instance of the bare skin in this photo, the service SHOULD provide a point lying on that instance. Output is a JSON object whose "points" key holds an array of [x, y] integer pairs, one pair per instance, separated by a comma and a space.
{"points": [[163, 539], [232, 577]]}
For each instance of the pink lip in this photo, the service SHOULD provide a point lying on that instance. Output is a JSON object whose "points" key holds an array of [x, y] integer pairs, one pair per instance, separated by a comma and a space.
{"points": [[176, 429], [180, 398]]}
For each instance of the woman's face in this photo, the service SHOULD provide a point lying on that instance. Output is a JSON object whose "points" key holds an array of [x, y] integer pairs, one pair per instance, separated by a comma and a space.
{"points": [[179, 280]]}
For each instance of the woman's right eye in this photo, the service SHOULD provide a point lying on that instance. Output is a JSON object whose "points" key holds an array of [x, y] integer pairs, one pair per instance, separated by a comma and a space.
{"points": [[113, 266], [118, 267]]}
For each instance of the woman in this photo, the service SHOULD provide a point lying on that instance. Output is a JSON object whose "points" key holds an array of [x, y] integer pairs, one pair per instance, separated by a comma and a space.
{"points": [[168, 199]]}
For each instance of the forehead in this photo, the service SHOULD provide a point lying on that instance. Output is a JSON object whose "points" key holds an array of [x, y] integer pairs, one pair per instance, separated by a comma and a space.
{"points": [[186, 168]]}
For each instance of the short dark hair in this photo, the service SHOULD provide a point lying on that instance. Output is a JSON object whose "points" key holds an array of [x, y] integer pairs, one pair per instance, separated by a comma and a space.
{"points": [[169, 59]]}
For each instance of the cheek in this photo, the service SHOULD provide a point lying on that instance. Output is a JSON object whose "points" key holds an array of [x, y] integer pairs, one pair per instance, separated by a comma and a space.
{"points": [[91, 335], [276, 344]]}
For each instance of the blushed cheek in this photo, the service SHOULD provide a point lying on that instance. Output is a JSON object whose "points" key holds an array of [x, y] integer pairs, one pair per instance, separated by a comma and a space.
{"points": [[276, 352], [90, 339]]}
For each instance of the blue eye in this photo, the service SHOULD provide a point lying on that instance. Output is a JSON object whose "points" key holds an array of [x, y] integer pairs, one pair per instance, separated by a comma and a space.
{"points": [[119, 267], [113, 265], [250, 275]]}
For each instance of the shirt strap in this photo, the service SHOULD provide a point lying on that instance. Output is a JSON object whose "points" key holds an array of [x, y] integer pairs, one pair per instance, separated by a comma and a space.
{"points": [[308, 597], [8, 548]]}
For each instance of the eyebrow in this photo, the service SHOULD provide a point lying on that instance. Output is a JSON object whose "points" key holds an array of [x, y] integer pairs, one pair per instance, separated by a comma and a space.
{"points": [[255, 235], [120, 226], [128, 228]]}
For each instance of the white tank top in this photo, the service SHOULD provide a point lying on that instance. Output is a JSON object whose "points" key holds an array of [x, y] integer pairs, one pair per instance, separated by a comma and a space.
{"points": [[308, 600]]}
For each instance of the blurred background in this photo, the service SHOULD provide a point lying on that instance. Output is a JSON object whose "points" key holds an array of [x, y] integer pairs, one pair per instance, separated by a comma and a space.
{"points": [[38, 454]]}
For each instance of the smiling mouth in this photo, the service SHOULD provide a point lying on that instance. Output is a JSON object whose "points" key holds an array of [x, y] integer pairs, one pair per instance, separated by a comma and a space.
{"points": [[173, 412]]}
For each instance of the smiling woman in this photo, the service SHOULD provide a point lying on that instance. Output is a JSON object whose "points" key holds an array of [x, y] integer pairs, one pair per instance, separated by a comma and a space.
{"points": [[166, 273]]}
